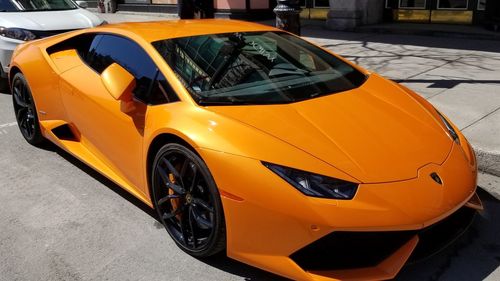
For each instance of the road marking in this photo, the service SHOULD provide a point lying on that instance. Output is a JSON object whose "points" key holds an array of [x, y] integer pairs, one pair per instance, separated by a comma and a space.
{"points": [[3, 127], [8, 125]]}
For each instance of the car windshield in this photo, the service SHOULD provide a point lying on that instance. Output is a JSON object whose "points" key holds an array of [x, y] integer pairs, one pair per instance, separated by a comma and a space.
{"points": [[7, 6], [256, 68], [36, 5]]}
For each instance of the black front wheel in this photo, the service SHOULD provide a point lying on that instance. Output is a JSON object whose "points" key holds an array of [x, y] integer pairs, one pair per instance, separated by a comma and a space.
{"points": [[25, 110], [187, 201]]}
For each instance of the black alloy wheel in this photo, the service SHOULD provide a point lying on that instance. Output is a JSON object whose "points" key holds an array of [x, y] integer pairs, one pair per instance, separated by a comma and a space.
{"points": [[187, 201], [25, 110]]}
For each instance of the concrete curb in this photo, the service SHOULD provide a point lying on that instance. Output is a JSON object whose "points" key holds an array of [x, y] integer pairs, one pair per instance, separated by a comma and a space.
{"points": [[490, 184], [488, 161], [489, 171]]}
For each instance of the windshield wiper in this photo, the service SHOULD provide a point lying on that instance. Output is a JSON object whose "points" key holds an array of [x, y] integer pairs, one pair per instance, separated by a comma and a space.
{"points": [[51, 9], [283, 69], [208, 101], [211, 100]]}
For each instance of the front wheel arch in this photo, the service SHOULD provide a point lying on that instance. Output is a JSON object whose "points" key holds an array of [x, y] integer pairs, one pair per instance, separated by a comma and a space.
{"points": [[164, 143], [158, 142]]}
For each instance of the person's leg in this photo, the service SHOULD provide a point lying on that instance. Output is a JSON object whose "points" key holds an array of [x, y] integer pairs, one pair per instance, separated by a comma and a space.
{"points": [[185, 9]]}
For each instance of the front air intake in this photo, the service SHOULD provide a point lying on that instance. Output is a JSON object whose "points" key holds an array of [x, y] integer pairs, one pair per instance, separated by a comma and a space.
{"points": [[348, 250], [353, 250]]}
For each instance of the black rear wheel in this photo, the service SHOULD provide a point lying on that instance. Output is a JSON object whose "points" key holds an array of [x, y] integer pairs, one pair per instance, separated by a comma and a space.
{"points": [[187, 201], [25, 110]]}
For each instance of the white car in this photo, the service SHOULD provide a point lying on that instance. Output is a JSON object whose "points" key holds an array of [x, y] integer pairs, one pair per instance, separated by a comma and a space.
{"points": [[23, 20]]}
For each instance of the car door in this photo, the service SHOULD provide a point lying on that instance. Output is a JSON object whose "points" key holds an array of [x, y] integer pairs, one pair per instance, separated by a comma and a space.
{"points": [[111, 133]]}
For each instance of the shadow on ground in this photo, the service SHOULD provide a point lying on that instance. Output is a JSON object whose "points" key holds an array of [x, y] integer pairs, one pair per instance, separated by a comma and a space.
{"points": [[318, 31], [248, 272], [474, 256], [444, 83], [220, 261]]}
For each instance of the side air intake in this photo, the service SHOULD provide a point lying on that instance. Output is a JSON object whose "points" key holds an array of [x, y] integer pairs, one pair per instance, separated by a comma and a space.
{"points": [[64, 132]]}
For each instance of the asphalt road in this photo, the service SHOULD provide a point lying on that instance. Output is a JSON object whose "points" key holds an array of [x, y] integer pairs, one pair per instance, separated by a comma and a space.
{"points": [[60, 220]]}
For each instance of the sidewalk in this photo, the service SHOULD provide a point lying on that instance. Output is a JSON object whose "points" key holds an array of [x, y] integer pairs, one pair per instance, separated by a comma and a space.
{"points": [[461, 77], [434, 29]]}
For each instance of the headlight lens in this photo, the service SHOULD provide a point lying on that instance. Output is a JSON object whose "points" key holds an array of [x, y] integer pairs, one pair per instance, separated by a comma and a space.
{"points": [[17, 33], [313, 184], [449, 127]]}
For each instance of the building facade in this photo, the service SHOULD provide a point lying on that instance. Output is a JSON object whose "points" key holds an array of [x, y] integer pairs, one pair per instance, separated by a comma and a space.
{"points": [[436, 11], [231, 8], [344, 14]]}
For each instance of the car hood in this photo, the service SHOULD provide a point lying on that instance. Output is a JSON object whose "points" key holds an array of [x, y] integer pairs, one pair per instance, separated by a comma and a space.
{"points": [[375, 133], [50, 20]]}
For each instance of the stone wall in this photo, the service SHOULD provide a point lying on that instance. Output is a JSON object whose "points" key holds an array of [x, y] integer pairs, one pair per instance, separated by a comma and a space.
{"points": [[347, 14]]}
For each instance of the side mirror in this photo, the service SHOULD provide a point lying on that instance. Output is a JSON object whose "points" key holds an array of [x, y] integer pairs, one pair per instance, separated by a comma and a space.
{"points": [[119, 82], [82, 4]]}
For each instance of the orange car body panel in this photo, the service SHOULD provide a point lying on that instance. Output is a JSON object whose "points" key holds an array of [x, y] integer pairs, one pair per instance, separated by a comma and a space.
{"points": [[387, 139]]}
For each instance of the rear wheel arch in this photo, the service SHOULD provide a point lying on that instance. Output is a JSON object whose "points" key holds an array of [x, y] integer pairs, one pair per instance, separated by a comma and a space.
{"points": [[25, 110], [12, 72]]}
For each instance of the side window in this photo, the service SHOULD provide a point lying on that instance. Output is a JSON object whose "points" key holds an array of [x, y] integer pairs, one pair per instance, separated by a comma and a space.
{"points": [[107, 49], [161, 92], [81, 43]]}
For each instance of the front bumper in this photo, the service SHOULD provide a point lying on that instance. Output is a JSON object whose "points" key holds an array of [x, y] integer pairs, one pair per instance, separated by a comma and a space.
{"points": [[7, 47], [268, 221], [379, 255]]}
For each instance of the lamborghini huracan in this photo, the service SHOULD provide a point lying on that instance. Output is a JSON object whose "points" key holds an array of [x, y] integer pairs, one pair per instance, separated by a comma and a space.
{"points": [[250, 140]]}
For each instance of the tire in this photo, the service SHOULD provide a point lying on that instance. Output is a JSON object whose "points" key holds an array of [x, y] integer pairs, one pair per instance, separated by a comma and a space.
{"points": [[187, 201], [25, 110]]}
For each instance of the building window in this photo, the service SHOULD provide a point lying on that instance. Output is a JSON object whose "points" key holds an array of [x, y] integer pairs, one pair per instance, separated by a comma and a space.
{"points": [[170, 2], [314, 3], [321, 3], [481, 5], [412, 4], [453, 4]]}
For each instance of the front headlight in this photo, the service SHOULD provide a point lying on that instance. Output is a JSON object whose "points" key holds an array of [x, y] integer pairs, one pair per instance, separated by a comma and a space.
{"points": [[449, 127], [313, 184], [17, 33]]}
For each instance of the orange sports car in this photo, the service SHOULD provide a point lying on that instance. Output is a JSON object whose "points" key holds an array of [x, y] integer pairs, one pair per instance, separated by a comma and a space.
{"points": [[253, 141]]}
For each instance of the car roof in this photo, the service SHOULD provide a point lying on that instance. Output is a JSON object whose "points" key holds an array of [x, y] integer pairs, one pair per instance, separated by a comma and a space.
{"points": [[158, 30]]}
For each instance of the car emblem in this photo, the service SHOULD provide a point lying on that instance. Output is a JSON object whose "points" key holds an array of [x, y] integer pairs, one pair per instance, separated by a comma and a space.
{"points": [[436, 178]]}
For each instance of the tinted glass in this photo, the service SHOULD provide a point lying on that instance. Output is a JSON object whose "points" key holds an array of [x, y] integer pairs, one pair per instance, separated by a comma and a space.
{"points": [[7, 6], [46, 5], [80, 43], [452, 4], [107, 49], [256, 68], [322, 3], [161, 92], [412, 3], [481, 5]]}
